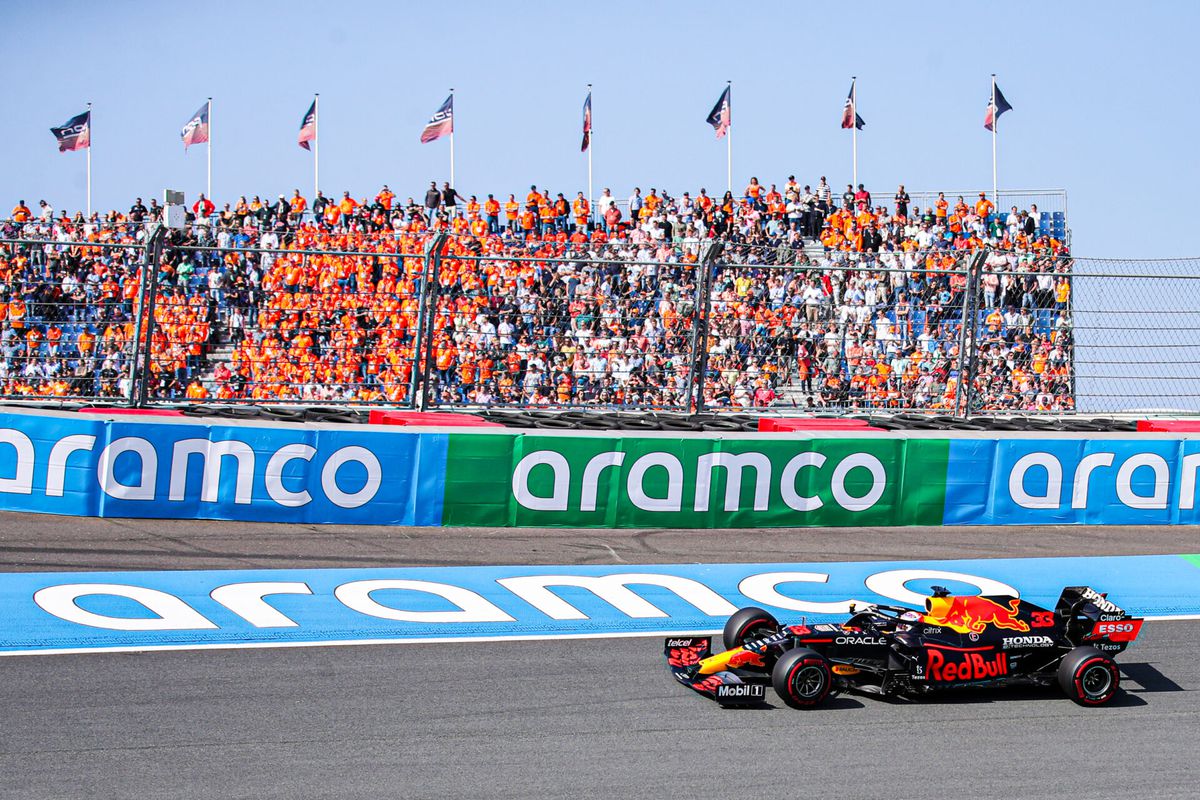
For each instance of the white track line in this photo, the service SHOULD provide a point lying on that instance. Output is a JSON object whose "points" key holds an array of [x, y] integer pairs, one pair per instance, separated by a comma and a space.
{"points": [[426, 640]]}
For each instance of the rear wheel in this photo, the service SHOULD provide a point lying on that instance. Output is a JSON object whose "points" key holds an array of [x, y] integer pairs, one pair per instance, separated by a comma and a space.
{"points": [[748, 624], [802, 678], [1089, 677]]}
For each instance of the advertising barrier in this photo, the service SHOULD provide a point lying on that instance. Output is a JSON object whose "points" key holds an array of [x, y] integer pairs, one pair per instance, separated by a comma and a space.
{"points": [[693, 482], [78, 465]]}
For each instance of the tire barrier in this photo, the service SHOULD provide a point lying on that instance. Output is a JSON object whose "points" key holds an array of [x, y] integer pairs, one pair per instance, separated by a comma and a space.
{"points": [[600, 420]]}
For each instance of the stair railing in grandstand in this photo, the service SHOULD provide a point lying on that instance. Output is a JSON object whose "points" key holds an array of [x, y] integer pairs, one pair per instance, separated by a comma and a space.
{"points": [[968, 334], [139, 365], [424, 347]]}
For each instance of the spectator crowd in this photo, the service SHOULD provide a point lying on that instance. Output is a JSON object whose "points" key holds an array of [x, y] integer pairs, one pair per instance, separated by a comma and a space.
{"points": [[812, 298]]}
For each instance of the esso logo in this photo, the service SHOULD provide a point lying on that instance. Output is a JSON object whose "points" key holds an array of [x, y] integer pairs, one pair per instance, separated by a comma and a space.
{"points": [[1106, 628]]}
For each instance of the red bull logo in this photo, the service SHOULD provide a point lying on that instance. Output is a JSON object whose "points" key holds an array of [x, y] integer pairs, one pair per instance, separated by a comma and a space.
{"points": [[747, 658], [955, 666], [971, 614]]}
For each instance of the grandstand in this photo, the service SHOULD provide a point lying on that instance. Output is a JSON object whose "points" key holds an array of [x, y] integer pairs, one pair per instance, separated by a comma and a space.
{"points": [[810, 300]]}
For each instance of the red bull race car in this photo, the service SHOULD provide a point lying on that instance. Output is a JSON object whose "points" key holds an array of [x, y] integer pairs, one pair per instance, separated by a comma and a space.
{"points": [[958, 641]]}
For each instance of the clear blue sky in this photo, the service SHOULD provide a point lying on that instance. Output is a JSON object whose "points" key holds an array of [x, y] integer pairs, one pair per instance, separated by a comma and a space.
{"points": [[1100, 91]]}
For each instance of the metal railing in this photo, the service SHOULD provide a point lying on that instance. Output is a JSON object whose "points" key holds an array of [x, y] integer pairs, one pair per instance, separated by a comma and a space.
{"points": [[437, 321]]}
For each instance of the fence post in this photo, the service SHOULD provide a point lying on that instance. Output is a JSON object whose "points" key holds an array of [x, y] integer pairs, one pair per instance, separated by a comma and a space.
{"points": [[968, 350], [139, 366], [426, 314], [698, 363]]}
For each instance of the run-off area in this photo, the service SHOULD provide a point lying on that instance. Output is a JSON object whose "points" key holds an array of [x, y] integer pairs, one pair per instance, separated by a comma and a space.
{"points": [[129, 611]]}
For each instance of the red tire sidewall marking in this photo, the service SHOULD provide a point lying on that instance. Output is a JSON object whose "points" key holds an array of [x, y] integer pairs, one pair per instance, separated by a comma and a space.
{"points": [[1078, 680], [800, 665]]}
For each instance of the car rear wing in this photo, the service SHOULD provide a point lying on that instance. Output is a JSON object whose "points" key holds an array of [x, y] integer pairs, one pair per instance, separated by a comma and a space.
{"points": [[1086, 601]]}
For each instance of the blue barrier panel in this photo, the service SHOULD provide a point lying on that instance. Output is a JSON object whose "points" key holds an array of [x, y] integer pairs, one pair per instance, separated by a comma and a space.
{"points": [[1055, 481], [80, 466], [56, 612]]}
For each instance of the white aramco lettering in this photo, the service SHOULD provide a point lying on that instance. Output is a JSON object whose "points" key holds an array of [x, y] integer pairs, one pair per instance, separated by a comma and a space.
{"points": [[22, 480], [56, 471], [614, 590], [1157, 498], [246, 600], [344, 456], [171, 613], [636, 487], [274, 475], [147, 480], [212, 458], [1016, 481], [892, 583], [557, 501], [761, 588], [472, 607]]}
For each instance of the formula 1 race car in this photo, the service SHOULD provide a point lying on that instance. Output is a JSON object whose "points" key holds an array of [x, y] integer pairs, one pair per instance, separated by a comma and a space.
{"points": [[894, 651]]}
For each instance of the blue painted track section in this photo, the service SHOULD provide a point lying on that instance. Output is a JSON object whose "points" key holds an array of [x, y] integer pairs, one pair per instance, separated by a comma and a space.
{"points": [[42, 612]]}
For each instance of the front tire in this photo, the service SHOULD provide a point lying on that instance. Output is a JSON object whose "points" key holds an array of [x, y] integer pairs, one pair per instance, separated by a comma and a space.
{"points": [[748, 624], [1089, 677], [802, 678]]}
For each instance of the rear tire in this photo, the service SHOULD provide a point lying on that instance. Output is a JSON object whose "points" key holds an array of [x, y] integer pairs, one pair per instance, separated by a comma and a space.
{"points": [[1089, 677], [748, 624], [802, 678]]}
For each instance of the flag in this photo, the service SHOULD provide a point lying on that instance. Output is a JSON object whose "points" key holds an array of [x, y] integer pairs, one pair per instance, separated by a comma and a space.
{"points": [[75, 133], [195, 131], [720, 117], [997, 105], [441, 123], [850, 117], [587, 123], [308, 127]]}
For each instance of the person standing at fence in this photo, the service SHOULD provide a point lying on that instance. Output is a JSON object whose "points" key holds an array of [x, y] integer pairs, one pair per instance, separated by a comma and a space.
{"points": [[433, 199], [491, 213], [901, 201]]}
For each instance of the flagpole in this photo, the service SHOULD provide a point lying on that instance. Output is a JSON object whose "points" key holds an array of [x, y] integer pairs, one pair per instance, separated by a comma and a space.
{"points": [[89, 163], [452, 183], [729, 139], [854, 127], [591, 143], [316, 144], [995, 125], [210, 132]]}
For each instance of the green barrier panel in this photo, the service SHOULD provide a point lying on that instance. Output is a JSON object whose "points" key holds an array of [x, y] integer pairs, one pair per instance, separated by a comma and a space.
{"points": [[692, 482]]}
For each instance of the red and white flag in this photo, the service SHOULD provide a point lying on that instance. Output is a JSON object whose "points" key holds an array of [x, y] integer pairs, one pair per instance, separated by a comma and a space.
{"points": [[308, 127], [441, 123], [721, 115], [196, 129], [75, 133]]}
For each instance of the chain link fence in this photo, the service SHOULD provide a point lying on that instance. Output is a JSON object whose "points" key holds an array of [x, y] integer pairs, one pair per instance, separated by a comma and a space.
{"points": [[422, 321]]}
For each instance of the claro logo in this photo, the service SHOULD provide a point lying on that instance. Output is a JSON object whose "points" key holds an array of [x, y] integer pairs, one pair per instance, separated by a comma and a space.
{"points": [[736, 466], [1047, 471], [141, 483]]}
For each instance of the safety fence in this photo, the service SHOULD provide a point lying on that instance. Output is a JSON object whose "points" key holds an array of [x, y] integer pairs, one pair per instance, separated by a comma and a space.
{"points": [[75, 464], [436, 321]]}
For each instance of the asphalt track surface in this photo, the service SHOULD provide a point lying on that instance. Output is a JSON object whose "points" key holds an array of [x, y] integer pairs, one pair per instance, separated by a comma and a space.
{"points": [[579, 718]]}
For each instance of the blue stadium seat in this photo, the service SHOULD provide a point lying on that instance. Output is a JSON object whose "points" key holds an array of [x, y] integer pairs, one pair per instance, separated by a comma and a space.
{"points": [[1043, 321]]}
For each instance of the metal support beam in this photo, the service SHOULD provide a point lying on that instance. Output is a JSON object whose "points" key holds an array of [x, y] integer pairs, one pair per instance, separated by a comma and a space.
{"points": [[139, 373]]}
